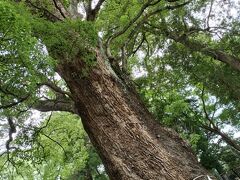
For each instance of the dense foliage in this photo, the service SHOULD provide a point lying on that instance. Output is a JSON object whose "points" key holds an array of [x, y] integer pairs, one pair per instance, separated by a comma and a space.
{"points": [[57, 148], [182, 56]]}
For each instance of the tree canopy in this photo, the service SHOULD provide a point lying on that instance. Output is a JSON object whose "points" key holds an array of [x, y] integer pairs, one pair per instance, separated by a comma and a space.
{"points": [[182, 56]]}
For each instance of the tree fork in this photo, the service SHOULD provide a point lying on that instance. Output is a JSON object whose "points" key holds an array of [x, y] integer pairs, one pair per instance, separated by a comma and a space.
{"points": [[131, 144]]}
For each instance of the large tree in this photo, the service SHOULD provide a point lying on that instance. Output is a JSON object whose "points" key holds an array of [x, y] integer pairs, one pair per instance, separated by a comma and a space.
{"points": [[75, 56]]}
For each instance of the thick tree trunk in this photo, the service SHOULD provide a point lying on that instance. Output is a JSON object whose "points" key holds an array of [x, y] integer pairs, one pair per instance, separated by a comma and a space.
{"points": [[130, 143]]}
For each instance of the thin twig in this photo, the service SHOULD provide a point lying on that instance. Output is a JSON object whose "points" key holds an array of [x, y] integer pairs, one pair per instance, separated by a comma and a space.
{"points": [[55, 142], [209, 14]]}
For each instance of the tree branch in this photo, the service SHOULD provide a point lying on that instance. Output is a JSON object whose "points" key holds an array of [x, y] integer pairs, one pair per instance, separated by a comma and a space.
{"points": [[14, 103], [209, 13], [144, 19], [205, 110], [215, 129], [55, 88], [55, 105], [65, 154], [167, 8], [231, 60], [92, 13], [46, 13], [12, 129], [59, 6], [231, 142], [140, 44], [124, 29]]}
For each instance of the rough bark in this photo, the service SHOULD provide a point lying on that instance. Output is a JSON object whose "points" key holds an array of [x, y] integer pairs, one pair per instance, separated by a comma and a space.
{"points": [[55, 105], [131, 144]]}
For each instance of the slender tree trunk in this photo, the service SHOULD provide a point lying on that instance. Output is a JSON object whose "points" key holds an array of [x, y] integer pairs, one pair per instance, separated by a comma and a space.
{"points": [[227, 139], [129, 141]]}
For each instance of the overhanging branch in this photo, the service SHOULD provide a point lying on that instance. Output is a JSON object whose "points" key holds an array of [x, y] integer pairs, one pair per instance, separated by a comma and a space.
{"points": [[55, 88], [140, 22], [10, 105], [45, 12], [55, 105], [196, 46], [228, 59]]}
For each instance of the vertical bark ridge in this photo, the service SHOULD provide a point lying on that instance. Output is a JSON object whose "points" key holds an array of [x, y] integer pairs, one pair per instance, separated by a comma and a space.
{"points": [[131, 144]]}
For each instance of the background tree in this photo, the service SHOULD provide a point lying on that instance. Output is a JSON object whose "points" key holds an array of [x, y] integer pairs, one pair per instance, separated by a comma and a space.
{"points": [[59, 148]]}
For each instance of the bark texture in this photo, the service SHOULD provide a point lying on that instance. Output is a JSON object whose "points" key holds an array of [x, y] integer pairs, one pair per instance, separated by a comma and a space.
{"points": [[130, 142]]}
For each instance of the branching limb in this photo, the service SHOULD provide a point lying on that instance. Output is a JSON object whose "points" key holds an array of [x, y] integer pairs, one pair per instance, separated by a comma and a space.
{"points": [[209, 14], [92, 13], [205, 110], [55, 88], [12, 129], [43, 127], [231, 60], [233, 143], [59, 6], [140, 23], [168, 7], [55, 105], [20, 100], [124, 29], [139, 46], [55, 142], [63, 100], [46, 13], [213, 128]]}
